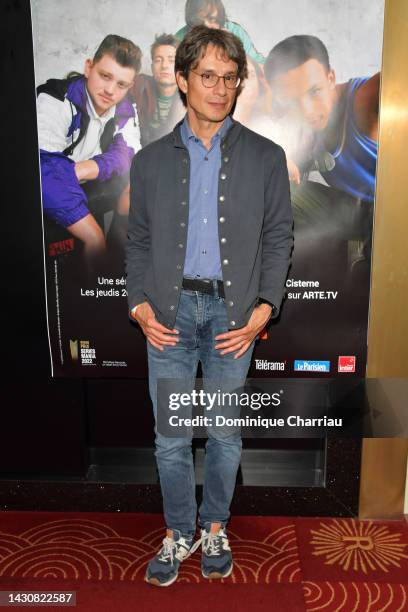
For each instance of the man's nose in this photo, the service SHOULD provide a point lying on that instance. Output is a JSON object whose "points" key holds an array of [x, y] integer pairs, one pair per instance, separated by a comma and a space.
{"points": [[306, 107], [220, 87], [109, 87]]}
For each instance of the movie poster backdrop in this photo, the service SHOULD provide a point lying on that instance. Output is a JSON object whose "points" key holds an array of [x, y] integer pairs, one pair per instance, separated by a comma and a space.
{"points": [[322, 109]]}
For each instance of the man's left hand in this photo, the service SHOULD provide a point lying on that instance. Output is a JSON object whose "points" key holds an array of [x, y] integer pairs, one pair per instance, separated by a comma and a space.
{"points": [[241, 339]]}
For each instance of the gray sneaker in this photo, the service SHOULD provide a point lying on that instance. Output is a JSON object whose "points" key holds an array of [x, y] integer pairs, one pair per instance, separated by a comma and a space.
{"points": [[163, 569], [216, 558]]}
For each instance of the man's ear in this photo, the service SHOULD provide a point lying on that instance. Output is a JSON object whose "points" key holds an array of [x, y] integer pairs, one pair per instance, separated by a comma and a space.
{"points": [[181, 82], [332, 78], [87, 67]]}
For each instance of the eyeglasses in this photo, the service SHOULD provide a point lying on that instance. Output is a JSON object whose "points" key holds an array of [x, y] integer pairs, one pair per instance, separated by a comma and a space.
{"points": [[209, 79]]}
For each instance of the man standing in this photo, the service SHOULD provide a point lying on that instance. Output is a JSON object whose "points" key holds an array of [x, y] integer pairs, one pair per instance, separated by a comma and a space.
{"points": [[209, 242], [157, 100], [88, 134]]}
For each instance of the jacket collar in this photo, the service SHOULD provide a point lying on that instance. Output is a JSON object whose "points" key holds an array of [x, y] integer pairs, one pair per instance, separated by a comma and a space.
{"points": [[76, 93], [227, 141]]}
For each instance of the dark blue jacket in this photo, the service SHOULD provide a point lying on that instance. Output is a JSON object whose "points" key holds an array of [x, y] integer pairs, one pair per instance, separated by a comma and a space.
{"points": [[255, 218]]}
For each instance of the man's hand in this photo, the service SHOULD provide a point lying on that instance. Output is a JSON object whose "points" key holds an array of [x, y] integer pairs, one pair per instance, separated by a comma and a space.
{"points": [[241, 339], [293, 171], [87, 170], [158, 335]]}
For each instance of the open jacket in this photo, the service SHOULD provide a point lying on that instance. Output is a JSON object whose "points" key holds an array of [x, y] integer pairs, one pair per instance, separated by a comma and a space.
{"points": [[255, 218]]}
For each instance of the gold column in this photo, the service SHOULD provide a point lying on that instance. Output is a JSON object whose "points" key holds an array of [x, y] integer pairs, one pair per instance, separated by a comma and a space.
{"points": [[384, 461]]}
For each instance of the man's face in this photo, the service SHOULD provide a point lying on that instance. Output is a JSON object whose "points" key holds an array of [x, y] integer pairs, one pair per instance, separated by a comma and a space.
{"points": [[307, 91], [209, 17], [107, 82], [163, 65], [214, 103]]}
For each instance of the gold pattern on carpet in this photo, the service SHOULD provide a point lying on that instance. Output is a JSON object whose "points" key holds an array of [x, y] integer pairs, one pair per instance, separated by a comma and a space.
{"points": [[358, 546], [81, 548]]}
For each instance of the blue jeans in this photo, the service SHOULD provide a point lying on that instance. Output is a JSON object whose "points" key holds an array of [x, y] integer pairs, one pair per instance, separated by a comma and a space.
{"points": [[200, 317]]}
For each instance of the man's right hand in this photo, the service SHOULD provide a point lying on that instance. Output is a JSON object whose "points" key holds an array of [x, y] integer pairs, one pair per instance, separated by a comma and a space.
{"points": [[157, 334], [293, 171]]}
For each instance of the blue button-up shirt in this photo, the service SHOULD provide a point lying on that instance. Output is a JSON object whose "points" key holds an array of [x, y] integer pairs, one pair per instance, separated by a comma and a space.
{"points": [[203, 252]]}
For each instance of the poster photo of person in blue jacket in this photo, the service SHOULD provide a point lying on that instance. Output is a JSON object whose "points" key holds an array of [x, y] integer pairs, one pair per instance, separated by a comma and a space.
{"points": [[88, 134]]}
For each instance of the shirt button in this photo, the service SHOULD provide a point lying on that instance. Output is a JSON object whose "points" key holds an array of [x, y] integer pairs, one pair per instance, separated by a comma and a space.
{"points": [[222, 219], [231, 303], [228, 283], [223, 240], [225, 262], [205, 220], [222, 198], [180, 246], [232, 323], [184, 181], [223, 176], [226, 159], [172, 307], [205, 191], [182, 224], [184, 203], [178, 267], [204, 252], [175, 287]]}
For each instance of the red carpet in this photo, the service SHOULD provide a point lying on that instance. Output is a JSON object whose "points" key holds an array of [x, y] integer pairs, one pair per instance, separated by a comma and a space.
{"points": [[279, 563]]}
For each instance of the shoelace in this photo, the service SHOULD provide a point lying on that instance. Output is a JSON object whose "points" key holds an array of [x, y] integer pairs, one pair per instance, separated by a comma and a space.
{"points": [[211, 543], [168, 550]]}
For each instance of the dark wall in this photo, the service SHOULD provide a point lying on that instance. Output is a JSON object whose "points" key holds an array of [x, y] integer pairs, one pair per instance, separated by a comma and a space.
{"points": [[42, 421], [24, 313]]}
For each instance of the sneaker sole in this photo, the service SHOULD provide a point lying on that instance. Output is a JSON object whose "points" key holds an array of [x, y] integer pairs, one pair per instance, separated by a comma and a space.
{"points": [[217, 574], [157, 582]]}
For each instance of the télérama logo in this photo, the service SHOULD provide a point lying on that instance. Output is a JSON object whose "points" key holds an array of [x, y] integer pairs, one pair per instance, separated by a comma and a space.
{"points": [[274, 366]]}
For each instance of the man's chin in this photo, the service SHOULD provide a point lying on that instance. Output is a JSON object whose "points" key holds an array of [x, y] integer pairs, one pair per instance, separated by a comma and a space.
{"points": [[166, 83]]}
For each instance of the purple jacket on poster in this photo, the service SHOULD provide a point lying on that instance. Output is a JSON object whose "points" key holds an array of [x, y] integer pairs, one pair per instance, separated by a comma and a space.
{"points": [[69, 131]]}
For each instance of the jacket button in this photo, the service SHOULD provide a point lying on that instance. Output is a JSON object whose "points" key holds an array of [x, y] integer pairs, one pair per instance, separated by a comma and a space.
{"points": [[185, 160], [225, 262], [172, 307], [184, 203], [228, 283], [223, 176], [231, 303], [182, 224], [222, 219], [232, 323], [226, 159], [223, 240], [222, 198], [184, 181], [178, 267]]}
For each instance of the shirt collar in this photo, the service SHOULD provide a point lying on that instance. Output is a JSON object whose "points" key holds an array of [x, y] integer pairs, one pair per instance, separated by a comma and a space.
{"points": [[92, 112], [187, 133]]}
